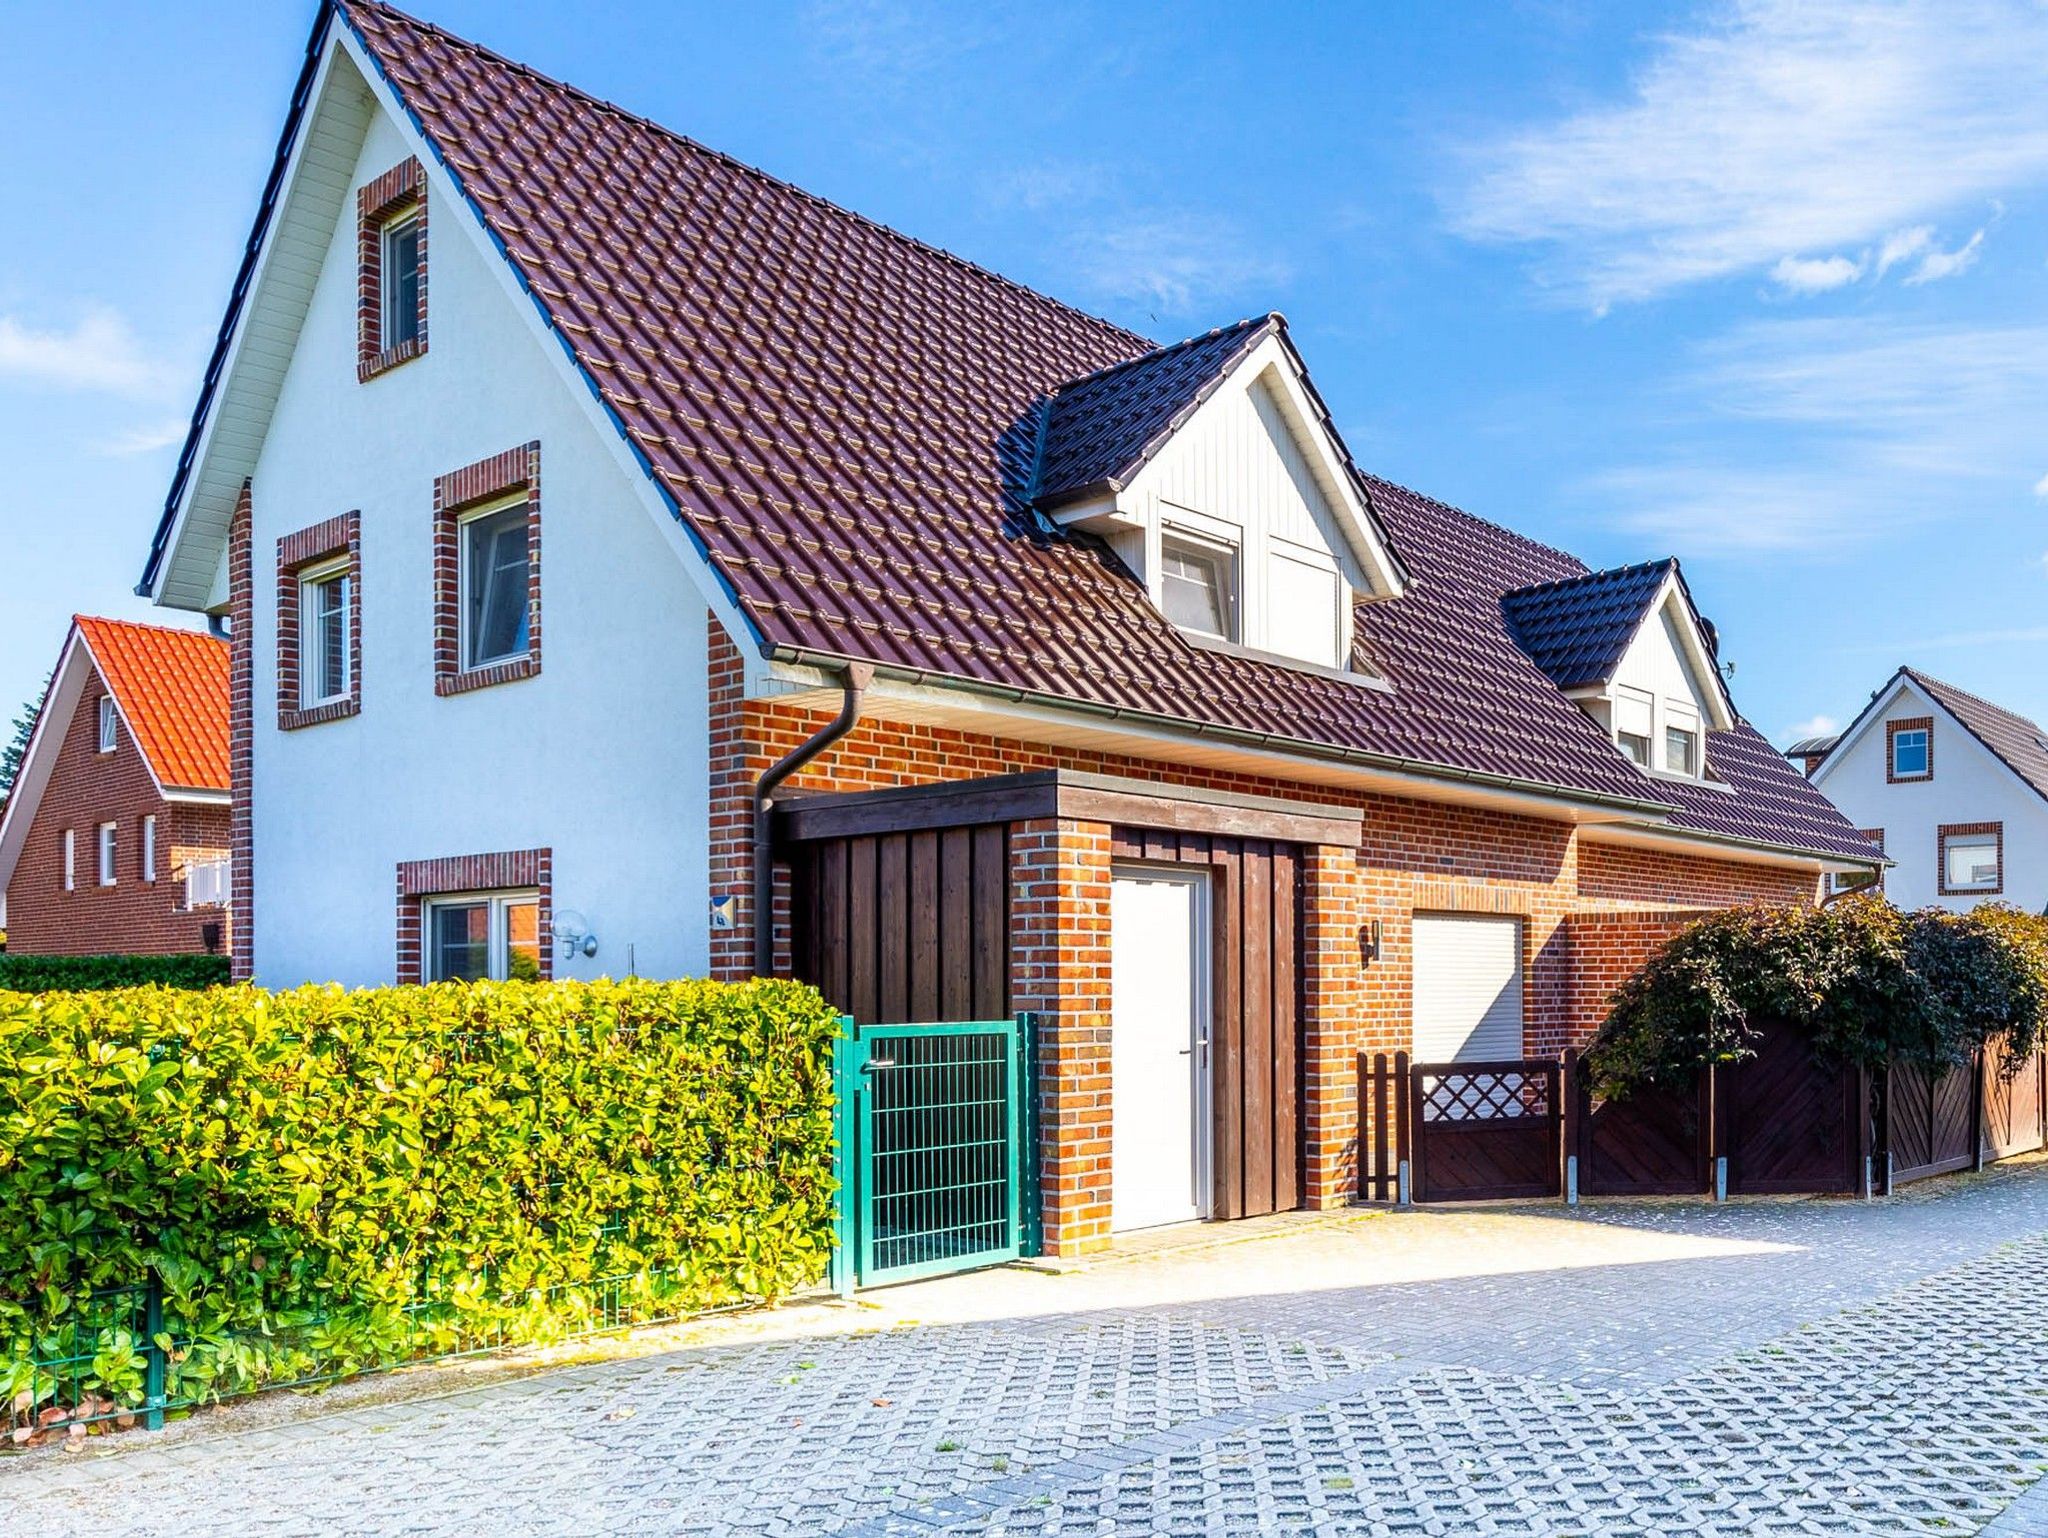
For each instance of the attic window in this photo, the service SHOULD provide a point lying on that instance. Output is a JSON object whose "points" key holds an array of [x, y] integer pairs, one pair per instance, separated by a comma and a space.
{"points": [[1198, 585], [401, 279], [391, 260], [109, 724]]}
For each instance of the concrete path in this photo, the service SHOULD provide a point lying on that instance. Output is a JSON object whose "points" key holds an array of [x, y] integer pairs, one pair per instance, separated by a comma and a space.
{"points": [[1814, 1367]]}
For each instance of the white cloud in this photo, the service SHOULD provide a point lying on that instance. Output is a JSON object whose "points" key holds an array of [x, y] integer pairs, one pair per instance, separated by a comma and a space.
{"points": [[1936, 265], [1816, 434], [2041, 487], [146, 439], [1812, 726], [1177, 262], [100, 353], [1815, 275], [1902, 246], [1779, 126]]}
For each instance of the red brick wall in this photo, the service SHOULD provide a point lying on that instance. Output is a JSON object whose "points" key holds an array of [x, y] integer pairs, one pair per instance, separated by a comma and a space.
{"points": [[1576, 900], [242, 733], [134, 916]]}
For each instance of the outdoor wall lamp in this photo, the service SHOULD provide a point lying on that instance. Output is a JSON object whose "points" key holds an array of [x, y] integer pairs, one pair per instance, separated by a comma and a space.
{"points": [[1369, 942], [572, 933]]}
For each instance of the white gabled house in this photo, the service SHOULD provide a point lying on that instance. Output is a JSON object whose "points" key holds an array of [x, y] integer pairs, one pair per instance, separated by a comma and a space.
{"points": [[1953, 788], [620, 545]]}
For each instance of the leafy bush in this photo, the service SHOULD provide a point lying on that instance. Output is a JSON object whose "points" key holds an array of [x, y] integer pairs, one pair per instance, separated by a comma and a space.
{"points": [[1870, 983], [50, 974], [326, 1182]]}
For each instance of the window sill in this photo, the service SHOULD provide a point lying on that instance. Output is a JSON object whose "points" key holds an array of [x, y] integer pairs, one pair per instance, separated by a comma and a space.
{"points": [[390, 358], [1210, 643], [487, 677], [316, 715]]}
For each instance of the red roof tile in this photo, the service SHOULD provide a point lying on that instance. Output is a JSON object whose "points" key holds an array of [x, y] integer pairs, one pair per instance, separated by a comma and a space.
{"points": [[172, 689], [847, 421]]}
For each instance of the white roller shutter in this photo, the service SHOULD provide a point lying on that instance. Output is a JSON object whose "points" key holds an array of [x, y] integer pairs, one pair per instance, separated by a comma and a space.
{"points": [[1468, 988]]}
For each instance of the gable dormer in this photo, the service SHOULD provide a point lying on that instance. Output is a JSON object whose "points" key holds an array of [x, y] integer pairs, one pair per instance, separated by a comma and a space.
{"points": [[1628, 647], [1213, 470]]}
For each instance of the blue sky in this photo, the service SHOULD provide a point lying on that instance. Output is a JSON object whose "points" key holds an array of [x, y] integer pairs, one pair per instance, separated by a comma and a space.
{"points": [[1760, 285]]}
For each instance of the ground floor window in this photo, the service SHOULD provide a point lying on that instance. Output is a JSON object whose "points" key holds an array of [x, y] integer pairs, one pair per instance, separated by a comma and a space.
{"points": [[476, 935]]}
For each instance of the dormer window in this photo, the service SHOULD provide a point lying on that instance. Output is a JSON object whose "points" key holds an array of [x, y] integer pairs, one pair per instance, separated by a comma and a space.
{"points": [[1634, 723], [1682, 748], [1198, 584]]}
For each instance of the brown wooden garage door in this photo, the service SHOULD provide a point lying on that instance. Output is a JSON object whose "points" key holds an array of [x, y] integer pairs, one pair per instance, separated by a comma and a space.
{"points": [[904, 927], [1255, 1056]]}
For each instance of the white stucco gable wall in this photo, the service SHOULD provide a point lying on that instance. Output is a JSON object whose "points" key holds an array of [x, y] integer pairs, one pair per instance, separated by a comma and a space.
{"points": [[603, 757], [1970, 785]]}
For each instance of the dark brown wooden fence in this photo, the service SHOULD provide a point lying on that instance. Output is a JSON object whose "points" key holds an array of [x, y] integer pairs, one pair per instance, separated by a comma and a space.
{"points": [[1779, 1122]]}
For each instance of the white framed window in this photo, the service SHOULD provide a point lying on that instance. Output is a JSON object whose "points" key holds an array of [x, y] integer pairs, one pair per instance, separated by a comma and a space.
{"points": [[1972, 860], [105, 843], [110, 724], [399, 275], [68, 843], [326, 668], [1912, 753], [1682, 746], [149, 847], [475, 935], [1634, 724], [494, 561], [1198, 584]]}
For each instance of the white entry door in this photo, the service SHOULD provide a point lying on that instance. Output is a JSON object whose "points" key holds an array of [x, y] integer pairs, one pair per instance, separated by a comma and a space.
{"points": [[1159, 1002]]}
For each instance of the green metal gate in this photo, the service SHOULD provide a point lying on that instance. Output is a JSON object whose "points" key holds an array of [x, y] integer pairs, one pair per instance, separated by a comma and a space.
{"points": [[937, 1135]]}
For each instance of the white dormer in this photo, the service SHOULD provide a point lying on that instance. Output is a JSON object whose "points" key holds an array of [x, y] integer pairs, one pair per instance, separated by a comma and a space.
{"points": [[1241, 514]]}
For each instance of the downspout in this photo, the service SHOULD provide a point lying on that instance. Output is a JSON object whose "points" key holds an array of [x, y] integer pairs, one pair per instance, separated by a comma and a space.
{"points": [[854, 679]]}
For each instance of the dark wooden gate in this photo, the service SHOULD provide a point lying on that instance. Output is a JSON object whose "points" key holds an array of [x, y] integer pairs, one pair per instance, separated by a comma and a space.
{"points": [[2012, 1103], [905, 926], [1255, 1039], [1655, 1141], [1790, 1123], [1930, 1120], [1486, 1131]]}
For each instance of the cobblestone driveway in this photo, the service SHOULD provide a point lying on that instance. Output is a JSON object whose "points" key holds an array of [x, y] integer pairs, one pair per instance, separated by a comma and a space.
{"points": [[1809, 1367]]}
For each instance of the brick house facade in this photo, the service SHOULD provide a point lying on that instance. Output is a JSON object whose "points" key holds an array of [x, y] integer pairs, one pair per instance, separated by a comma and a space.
{"points": [[164, 690]]}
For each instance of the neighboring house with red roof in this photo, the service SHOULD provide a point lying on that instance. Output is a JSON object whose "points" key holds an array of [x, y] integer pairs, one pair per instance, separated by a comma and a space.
{"points": [[1953, 788], [1117, 692], [115, 838]]}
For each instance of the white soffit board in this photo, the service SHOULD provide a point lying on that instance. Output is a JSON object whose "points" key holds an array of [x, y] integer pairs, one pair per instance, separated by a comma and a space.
{"points": [[1468, 988]]}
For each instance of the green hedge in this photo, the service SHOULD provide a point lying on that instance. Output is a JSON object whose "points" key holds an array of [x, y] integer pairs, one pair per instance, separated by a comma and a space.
{"points": [[1872, 984], [325, 1182], [50, 974]]}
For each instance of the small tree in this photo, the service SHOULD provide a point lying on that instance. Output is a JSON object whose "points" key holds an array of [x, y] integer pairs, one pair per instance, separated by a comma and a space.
{"points": [[17, 745]]}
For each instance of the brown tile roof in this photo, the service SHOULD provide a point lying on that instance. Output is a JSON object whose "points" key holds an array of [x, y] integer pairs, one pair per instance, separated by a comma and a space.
{"points": [[2020, 744], [847, 422], [172, 689]]}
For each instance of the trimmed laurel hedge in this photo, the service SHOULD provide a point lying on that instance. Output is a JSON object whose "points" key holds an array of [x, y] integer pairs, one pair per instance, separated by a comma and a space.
{"points": [[325, 1182], [48, 974], [1873, 985]]}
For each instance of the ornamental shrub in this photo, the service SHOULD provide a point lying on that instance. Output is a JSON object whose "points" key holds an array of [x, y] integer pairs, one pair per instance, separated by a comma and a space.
{"points": [[325, 1182], [1871, 984], [45, 974]]}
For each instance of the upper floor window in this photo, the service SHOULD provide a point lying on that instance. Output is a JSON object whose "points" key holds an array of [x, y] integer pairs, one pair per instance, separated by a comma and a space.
{"points": [[110, 724], [149, 847], [1972, 859], [1634, 724], [1198, 584], [1682, 748], [324, 617], [107, 872], [68, 847], [400, 275], [494, 585], [1911, 746]]}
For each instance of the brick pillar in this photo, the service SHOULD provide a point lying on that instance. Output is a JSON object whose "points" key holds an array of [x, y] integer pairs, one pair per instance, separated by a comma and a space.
{"points": [[241, 741], [1334, 985], [1059, 958], [735, 765]]}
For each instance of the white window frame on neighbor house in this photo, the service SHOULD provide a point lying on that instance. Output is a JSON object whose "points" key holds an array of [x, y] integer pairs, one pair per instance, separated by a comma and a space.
{"points": [[314, 638], [1951, 841], [399, 322], [110, 724], [497, 938], [1224, 559], [69, 842], [469, 600], [149, 848], [1925, 736], [106, 845]]}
